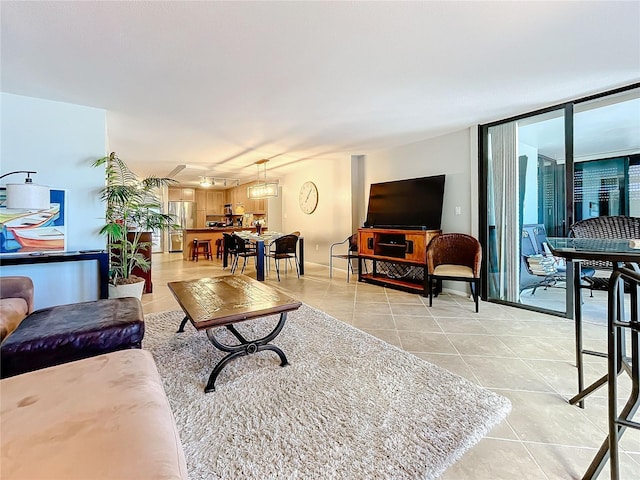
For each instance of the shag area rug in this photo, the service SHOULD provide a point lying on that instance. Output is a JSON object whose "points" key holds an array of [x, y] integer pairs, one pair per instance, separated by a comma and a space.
{"points": [[349, 406]]}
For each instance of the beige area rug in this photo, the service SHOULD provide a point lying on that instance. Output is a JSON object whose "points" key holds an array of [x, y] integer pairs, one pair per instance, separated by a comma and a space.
{"points": [[349, 406]]}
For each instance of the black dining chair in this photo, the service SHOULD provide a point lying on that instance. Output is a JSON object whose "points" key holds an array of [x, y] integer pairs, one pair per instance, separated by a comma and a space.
{"points": [[230, 246], [285, 247], [242, 251]]}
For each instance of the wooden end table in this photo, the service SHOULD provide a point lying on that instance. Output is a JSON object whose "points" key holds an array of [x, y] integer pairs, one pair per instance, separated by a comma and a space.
{"points": [[223, 301]]}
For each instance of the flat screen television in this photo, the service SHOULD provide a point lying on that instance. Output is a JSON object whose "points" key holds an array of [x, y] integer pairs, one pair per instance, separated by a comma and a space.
{"points": [[415, 203]]}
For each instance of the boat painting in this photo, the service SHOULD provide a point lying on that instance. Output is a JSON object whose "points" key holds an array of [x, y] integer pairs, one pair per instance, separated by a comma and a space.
{"points": [[30, 219], [38, 239], [30, 231]]}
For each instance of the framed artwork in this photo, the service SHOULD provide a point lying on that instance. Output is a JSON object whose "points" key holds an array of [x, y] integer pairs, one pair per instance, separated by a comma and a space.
{"points": [[34, 231]]}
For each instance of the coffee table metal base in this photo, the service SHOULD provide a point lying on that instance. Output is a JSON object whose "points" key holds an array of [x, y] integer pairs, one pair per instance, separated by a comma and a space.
{"points": [[244, 348]]}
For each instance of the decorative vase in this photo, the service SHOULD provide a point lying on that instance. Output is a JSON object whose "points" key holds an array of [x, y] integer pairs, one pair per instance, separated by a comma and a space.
{"points": [[127, 290]]}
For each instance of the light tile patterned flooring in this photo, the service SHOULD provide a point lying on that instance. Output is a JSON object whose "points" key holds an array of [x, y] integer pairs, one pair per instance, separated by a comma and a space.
{"points": [[525, 356]]}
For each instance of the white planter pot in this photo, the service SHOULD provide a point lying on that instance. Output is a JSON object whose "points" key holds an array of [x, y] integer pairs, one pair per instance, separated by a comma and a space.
{"points": [[128, 290]]}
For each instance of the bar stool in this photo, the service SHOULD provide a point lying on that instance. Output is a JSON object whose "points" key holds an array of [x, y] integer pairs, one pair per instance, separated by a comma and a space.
{"points": [[201, 246]]}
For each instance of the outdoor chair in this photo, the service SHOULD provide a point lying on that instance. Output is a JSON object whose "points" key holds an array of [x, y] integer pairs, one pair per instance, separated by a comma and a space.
{"points": [[606, 227], [351, 254]]}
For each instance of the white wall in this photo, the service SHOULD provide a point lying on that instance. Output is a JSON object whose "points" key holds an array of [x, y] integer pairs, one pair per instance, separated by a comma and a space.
{"points": [[331, 221], [448, 154], [60, 141], [454, 154]]}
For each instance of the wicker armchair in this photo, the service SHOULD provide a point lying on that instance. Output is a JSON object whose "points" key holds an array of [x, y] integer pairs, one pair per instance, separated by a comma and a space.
{"points": [[604, 227], [454, 256]]}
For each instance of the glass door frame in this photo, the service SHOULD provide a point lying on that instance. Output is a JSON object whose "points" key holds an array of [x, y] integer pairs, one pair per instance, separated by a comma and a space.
{"points": [[483, 183]]}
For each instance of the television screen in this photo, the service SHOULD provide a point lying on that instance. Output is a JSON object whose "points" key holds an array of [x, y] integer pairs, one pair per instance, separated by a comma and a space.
{"points": [[412, 203]]}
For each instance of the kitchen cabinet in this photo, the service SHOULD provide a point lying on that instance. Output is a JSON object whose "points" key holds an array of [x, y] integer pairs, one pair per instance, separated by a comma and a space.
{"points": [[201, 199], [201, 207], [215, 202], [182, 194], [201, 218], [260, 206], [238, 196], [188, 194]]}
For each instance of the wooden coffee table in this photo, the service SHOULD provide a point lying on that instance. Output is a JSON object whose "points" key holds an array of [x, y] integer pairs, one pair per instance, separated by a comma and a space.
{"points": [[223, 301]]}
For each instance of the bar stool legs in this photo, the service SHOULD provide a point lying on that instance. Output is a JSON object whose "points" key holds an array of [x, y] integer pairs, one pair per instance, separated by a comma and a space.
{"points": [[201, 247]]}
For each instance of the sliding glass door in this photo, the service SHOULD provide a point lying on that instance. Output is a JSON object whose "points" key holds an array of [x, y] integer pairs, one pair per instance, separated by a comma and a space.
{"points": [[542, 172], [525, 204], [607, 156]]}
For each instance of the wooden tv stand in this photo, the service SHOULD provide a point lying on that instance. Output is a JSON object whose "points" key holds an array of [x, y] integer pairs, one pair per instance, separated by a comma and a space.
{"points": [[394, 252]]}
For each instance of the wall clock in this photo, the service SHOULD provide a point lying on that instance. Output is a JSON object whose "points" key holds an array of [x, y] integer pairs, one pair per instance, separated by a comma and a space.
{"points": [[308, 197]]}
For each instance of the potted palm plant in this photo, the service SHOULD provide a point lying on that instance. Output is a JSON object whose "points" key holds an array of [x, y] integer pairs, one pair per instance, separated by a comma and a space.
{"points": [[133, 207]]}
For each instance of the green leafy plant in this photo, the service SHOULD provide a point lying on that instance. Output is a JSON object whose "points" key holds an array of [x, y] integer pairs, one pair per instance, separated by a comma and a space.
{"points": [[132, 208]]}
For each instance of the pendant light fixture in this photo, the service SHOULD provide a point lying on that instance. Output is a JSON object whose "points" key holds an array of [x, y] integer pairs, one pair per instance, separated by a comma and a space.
{"points": [[262, 189]]}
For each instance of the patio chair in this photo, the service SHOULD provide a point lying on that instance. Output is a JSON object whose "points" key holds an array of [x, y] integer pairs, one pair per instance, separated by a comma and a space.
{"points": [[351, 254], [606, 227]]}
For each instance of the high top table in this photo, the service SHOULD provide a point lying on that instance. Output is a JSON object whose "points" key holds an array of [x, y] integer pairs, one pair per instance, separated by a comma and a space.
{"points": [[618, 252], [223, 301]]}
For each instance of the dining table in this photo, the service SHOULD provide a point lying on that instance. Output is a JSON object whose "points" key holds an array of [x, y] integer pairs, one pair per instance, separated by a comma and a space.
{"points": [[624, 254], [263, 243]]}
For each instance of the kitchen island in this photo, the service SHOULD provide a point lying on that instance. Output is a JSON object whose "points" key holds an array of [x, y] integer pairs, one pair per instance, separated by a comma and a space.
{"points": [[210, 233]]}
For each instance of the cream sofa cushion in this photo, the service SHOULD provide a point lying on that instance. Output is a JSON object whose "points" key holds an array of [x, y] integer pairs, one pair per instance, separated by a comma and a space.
{"points": [[98, 418], [12, 312]]}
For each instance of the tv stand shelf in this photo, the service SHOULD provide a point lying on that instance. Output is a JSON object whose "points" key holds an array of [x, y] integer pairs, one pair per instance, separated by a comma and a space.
{"points": [[399, 257]]}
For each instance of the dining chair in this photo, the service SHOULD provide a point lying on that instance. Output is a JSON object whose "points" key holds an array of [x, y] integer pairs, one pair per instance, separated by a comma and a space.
{"points": [[230, 245], [285, 247], [242, 251], [454, 256]]}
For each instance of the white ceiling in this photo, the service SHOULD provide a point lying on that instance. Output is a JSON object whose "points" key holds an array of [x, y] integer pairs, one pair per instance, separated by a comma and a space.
{"points": [[217, 86]]}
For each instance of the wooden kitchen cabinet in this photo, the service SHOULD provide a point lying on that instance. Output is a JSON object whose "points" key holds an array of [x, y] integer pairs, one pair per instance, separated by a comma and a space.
{"points": [[215, 202], [177, 194], [188, 194], [201, 218], [201, 199], [260, 205]]}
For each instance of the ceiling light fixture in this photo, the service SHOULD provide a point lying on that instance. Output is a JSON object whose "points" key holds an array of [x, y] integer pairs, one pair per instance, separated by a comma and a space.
{"points": [[262, 189], [27, 195], [218, 182]]}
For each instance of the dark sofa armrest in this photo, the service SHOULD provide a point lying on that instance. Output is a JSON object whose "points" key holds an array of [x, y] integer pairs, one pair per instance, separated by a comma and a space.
{"points": [[17, 287]]}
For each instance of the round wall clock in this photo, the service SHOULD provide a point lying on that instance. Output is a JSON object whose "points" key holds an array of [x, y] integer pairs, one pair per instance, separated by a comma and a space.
{"points": [[308, 197]]}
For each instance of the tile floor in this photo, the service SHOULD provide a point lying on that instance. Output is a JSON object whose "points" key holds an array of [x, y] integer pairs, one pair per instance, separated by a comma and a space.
{"points": [[526, 356]]}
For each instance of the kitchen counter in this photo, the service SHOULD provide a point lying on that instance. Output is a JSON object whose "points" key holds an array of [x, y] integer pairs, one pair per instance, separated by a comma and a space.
{"points": [[209, 233]]}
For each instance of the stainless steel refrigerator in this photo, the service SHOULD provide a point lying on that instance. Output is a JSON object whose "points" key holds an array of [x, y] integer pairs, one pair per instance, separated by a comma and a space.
{"points": [[185, 216]]}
